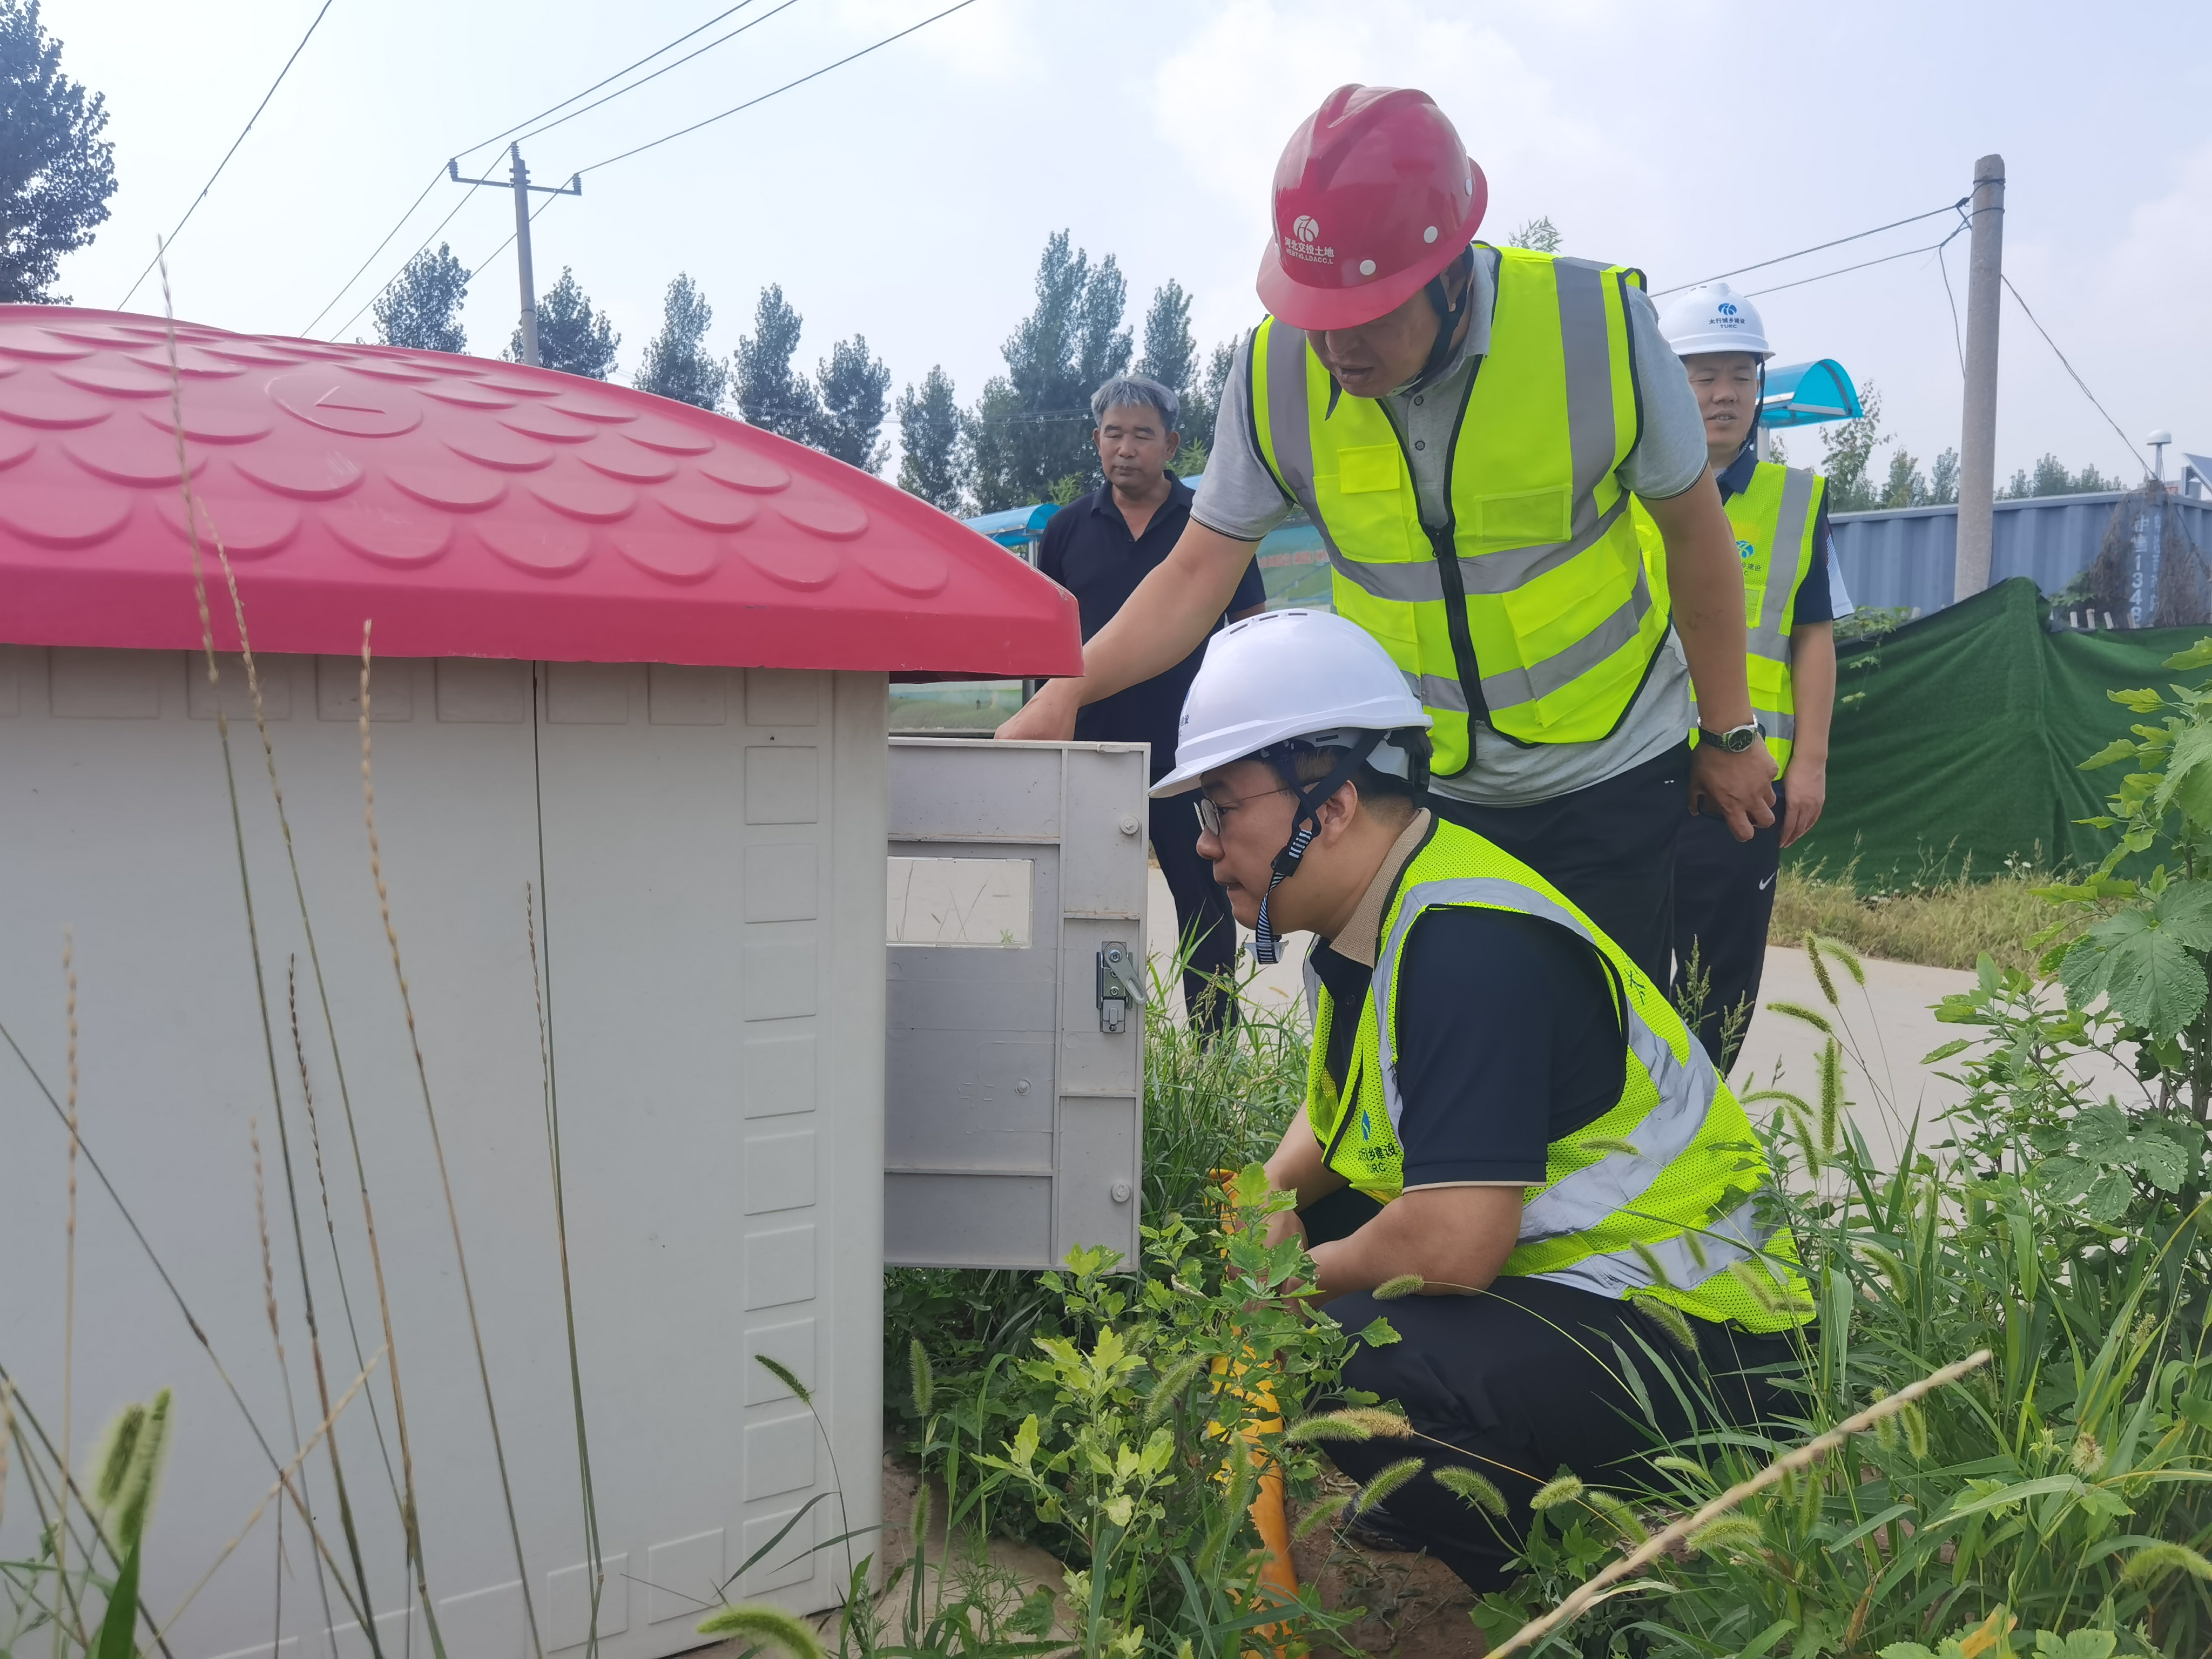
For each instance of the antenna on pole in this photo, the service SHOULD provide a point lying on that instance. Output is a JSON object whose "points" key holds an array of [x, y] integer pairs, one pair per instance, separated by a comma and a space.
{"points": [[518, 180]]}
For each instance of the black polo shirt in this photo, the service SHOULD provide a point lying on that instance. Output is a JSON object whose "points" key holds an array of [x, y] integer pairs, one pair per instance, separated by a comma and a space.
{"points": [[1815, 604], [1088, 551]]}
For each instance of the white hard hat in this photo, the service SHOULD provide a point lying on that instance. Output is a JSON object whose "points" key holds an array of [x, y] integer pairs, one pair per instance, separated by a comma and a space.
{"points": [[1287, 674], [1713, 317]]}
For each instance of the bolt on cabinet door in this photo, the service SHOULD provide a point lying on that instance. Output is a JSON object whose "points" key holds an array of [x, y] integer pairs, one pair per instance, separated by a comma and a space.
{"points": [[1013, 1089]]}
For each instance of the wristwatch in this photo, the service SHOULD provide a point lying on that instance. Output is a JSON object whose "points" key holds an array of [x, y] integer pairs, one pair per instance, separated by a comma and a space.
{"points": [[1735, 739]]}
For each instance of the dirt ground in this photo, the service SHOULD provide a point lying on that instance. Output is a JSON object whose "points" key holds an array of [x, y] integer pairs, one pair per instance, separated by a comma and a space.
{"points": [[1416, 1610]]}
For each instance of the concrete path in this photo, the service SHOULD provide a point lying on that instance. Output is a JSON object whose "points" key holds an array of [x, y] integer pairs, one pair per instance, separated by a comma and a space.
{"points": [[1885, 1028]]}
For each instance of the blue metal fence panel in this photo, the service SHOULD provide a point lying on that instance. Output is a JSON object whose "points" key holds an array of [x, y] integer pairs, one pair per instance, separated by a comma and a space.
{"points": [[1905, 556]]}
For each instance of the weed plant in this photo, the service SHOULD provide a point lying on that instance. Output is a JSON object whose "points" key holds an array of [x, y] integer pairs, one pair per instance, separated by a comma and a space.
{"points": [[1942, 917]]}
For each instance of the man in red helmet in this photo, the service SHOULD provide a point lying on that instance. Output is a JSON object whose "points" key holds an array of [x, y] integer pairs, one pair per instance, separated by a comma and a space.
{"points": [[1465, 424]]}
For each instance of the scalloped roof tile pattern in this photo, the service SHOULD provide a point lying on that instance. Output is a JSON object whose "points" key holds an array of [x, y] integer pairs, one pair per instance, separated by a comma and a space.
{"points": [[471, 508]]}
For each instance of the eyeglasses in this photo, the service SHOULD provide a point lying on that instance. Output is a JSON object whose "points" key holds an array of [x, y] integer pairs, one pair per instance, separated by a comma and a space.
{"points": [[1211, 813]]}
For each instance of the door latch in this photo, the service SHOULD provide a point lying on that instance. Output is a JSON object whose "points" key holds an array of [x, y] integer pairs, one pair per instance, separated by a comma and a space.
{"points": [[1117, 987]]}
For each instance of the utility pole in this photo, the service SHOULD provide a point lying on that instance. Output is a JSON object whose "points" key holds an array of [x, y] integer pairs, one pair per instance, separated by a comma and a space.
{"points": [[1977, 440], [518, 180]]}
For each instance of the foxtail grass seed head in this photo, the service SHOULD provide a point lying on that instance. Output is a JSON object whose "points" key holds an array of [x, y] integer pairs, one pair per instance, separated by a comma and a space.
{"points": [[1819, 1022], [761, 1626], [1566, 1489], [1690, 1468], [924, 1379], [1811, 1495], [783, 1374], [111, 1461], [1832, 1095], [2154, 1561], [1652, 1264], [1759, 1283], [917, 1517], [142, 1481], [1820, 971], [1321, 1515], [1618, 1515], [1170, 1388], [1670, 1319], [1397, 1289], [1607, 1146], [1386, 1480], [1476, 1491], [1885, 1431], [1916, 1430], [1729, 1535]]}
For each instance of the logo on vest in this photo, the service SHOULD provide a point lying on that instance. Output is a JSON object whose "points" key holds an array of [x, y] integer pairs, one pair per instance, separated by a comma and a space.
{"points": [[1746, 551], [1304, 241]]}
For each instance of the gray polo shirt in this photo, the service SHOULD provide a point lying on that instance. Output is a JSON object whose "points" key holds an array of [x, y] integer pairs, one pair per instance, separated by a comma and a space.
{"points": [[1239, 497]]}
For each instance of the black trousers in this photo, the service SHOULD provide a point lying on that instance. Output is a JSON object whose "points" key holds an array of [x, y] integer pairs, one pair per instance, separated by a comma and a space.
{"points": [[1610, 847], [1209, 975], [1723, 900], [1525, 1380]]}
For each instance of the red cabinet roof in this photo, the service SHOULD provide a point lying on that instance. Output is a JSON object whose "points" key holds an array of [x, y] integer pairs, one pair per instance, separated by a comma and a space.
{"points": [[471, 508]]}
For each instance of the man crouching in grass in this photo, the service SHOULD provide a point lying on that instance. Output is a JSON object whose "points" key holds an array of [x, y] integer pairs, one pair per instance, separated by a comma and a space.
{"points": [[1499, 1103]]}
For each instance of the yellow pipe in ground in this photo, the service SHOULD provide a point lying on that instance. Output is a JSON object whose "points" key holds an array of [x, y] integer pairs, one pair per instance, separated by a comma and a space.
{"points": [[1269, 1511]]}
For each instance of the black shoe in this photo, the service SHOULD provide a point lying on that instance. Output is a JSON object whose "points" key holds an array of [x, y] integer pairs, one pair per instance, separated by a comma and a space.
{"points": [[1375, 1528]]}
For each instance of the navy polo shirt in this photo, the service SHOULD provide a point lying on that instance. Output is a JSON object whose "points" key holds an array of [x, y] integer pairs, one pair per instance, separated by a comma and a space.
{"points": [[1088, 551], [1815, 602]]}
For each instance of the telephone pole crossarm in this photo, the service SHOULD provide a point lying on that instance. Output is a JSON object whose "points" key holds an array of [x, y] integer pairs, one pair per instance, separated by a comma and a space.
{"points": [[518, 180]]}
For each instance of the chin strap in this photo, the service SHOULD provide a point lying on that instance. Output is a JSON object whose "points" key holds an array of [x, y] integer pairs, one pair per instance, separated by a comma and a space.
{"points": [[1448, 317], [1304, 826]]}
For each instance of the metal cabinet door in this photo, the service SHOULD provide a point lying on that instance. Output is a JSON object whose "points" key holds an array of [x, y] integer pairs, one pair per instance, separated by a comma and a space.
{"points": [[1014, 1111]]}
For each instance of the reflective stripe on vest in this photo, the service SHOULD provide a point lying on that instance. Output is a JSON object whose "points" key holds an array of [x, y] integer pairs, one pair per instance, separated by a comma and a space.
{"points": [[1657, 1196], [1539, 618], [1774, 519]]}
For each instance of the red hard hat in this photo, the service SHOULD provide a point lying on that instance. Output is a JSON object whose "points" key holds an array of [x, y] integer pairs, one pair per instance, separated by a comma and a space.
{"points": [[1374, 195]]}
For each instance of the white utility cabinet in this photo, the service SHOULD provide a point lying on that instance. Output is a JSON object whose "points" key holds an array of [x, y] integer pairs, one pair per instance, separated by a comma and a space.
{"points": [[629, 697]]}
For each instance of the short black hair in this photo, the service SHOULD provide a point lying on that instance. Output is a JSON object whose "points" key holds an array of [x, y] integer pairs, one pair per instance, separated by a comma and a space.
{"points": [[1392, 796]]}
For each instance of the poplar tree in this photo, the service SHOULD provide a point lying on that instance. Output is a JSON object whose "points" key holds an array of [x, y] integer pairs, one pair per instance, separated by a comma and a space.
{"points": [[677, 362]]}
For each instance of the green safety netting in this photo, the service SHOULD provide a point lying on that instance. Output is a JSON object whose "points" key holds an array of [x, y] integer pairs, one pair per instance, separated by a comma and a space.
{"points": [[1967, 742]]}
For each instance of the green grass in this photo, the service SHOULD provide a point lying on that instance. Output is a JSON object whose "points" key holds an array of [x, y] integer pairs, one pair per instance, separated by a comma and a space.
{"points": [[1945, 921]]}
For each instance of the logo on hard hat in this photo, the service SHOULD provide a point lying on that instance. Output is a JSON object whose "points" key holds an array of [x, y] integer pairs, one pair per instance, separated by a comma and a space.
{"points": [[1727, 308], [1302, 242]]}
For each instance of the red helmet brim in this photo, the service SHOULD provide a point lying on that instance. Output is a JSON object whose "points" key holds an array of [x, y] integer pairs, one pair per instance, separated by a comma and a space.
{"points": [[1313, 309]]}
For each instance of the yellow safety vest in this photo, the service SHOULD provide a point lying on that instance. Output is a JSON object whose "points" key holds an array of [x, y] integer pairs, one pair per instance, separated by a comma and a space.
{"points": [[1528, 608], [1662, 1196], [1774, 520]]}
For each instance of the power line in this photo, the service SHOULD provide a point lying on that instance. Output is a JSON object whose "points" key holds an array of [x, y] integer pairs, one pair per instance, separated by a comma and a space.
{"points": [[1817, 248], [378, 249], [621, 92], [411, 257], [1943, 265], [2134, 454], [668, 47], [736, 109], [1845, 270], [484, 143], [228, 154]]}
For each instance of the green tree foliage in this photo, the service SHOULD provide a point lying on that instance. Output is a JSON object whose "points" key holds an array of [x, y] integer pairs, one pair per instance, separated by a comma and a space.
{"points": [[1908, 486], [1541, 235], [1031, 427], [1850, 446], [1943, 479], [422, 309], [1171, 354], [571, 338], [2050, 478], [850, 387], [769, 393], [56, 170], [930, 459], [677, 363]]}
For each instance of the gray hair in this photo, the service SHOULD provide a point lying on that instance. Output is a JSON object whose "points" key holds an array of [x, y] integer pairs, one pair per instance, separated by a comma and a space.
{"points": [[1131, 390]]}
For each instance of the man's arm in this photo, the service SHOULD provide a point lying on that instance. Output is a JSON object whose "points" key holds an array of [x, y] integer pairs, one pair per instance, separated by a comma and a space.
{"points": [[1813, 688], [1705, 579], [1298, 1169], [1163, 621], [1454, 1237]]}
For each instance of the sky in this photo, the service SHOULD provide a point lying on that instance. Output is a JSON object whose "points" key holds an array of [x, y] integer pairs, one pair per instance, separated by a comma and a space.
{"points": [[907, 195]]}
